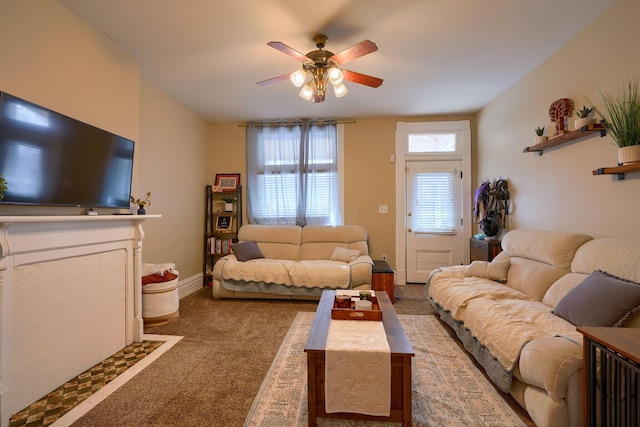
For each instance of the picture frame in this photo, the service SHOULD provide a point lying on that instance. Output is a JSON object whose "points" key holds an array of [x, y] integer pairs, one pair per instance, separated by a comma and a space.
{"points": [[224, 223], [227, 181]]}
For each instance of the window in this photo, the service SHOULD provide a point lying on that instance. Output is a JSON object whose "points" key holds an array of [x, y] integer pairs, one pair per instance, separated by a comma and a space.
{"points": [[434, 204], [431, 142], [292, 173]]}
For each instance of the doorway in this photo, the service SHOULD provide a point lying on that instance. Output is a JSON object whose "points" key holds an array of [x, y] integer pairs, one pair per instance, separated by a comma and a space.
{"points": [[433, 197]]}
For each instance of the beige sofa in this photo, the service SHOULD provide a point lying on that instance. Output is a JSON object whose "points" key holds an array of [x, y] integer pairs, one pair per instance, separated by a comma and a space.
{"points": [[297, 263], [515, 329]]}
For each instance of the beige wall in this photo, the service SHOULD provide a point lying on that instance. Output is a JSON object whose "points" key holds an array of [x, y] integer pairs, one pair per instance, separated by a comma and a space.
{"points": [[369, 176], [50, 57], [558, 191], [173, 166]]}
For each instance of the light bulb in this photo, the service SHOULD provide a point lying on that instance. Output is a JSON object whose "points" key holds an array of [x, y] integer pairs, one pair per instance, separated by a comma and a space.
{"points": [[340, 90], [306, 92], [298, 77], [335, 75]]}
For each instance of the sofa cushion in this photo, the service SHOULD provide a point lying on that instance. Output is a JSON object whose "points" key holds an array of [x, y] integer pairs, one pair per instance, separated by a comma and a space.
{"points": [[319, 241], [495, 270], [550, 247], [600, 300], [615, 256], [344, 255], [274, 241], [246, 250]]}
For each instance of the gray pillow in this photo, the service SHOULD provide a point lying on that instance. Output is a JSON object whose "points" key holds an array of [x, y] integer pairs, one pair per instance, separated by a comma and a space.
{"points": [[246, 251], [600, 300]]}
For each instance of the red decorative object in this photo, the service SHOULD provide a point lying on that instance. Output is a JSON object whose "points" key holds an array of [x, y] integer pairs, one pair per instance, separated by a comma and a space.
{"points": [[560, 109]]}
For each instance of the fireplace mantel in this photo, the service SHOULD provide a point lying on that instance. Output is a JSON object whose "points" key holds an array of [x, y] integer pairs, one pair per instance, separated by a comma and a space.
{"points": [[37, 245]]}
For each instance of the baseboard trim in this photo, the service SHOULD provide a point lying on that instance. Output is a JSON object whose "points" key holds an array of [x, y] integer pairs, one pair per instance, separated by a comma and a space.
{"points": [[189, 285]]}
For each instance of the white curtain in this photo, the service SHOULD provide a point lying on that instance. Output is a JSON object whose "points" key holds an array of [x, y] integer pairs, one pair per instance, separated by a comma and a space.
{"points": [[292, 175]]}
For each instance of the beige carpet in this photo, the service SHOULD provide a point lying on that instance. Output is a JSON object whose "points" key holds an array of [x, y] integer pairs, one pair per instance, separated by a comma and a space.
{"points": [[211, 377], [448, 390]]}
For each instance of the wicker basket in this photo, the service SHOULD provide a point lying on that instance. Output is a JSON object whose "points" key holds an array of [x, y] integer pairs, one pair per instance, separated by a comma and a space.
{"points": [[629, 154]]}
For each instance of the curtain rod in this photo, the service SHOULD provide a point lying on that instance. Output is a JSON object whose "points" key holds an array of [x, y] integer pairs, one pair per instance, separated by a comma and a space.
{"points": [[293, 122]]}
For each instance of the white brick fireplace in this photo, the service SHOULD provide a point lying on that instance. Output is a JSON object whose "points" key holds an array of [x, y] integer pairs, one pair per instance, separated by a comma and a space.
{"points": [[70, 296]]}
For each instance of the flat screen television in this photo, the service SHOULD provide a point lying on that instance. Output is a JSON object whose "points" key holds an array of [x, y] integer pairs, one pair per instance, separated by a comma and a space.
{"points": [[49, 159]]}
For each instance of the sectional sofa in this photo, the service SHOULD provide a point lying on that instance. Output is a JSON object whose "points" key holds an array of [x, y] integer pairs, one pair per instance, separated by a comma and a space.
{"points": [[292, 262], [518, 314]]}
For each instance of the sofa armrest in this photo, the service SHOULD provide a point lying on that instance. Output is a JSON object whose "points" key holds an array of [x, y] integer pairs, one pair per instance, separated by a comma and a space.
{"points": [[361, 268], [219, 265], [549, 363]]}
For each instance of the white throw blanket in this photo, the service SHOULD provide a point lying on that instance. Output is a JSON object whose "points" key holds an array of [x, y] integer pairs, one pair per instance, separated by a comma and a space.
{"points": [[502, 318], [357, 368], [308, 273]]}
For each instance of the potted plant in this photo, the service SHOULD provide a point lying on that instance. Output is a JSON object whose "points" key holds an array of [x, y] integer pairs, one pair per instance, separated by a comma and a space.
{"points": [[621, 116], [584, 117], [228, 203], [3, 186], [141, 203], [540, 135]]}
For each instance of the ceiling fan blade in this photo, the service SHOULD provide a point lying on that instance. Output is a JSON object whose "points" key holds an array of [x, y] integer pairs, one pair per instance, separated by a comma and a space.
{"points": [[365, 47], [363, 79], [273, 80], [288, 50]]}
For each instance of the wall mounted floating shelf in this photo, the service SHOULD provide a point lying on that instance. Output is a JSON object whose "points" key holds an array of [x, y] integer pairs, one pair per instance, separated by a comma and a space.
{"points": [[573, 135], [618, 170]]}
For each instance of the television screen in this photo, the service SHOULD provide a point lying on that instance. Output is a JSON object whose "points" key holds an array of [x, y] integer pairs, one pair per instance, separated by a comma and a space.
{"points": [[49, 159]]}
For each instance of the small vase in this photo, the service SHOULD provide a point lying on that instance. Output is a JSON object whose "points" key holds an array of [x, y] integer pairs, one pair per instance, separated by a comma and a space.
{"points": [[228, 207], [540, 139], [141, 210], [629, 154]]}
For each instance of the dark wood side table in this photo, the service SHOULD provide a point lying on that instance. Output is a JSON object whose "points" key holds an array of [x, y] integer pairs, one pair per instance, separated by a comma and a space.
{"points": [[484, 250], [611, 376], [382, 278]]}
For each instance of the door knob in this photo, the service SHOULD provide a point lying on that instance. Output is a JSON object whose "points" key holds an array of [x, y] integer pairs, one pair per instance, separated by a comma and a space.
{"points": [[409, 230]]}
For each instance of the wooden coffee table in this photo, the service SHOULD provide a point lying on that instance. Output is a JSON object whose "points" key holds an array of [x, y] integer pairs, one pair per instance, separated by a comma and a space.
{"points": [[401, 354]]}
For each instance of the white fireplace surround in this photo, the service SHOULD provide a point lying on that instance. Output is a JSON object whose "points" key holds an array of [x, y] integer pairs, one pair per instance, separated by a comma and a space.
{"points": [[65, 279]]}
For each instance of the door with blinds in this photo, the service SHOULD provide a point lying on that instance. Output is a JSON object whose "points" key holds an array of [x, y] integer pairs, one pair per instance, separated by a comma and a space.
{"points": [[434, 217]]}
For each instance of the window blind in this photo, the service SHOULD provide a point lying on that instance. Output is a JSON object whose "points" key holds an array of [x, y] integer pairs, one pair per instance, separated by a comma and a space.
{"points": [[434, 204]]}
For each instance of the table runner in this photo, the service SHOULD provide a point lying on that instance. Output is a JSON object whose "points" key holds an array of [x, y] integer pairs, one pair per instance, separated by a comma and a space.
{"points": [[357, 368]]}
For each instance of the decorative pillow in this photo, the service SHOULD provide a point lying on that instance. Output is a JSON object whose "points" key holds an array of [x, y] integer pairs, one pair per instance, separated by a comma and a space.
{"points": [[344, 255], [246, 251], [600, 300], [495, 270]]}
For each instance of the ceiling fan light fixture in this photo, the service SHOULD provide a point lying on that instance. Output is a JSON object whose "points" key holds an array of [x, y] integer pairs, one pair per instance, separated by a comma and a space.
{"points": [[307, 92], [340, 90], [335, 75], [298, 77]]}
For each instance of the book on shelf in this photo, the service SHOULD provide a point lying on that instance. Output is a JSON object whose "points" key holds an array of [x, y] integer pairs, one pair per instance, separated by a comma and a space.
{"points": [[217, 246]]}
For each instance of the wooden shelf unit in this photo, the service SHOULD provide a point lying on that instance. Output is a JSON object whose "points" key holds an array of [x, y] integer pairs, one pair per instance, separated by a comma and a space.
{"points": [[574, 135], [217, 243], [618, 170]]}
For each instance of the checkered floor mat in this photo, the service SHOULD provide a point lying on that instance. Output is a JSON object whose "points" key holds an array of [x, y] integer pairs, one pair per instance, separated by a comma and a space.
{"points": [[48, 409]]}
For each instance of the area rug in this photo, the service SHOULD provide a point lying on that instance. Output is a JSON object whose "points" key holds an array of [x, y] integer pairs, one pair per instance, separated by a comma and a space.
{"points": [[448, 390]]}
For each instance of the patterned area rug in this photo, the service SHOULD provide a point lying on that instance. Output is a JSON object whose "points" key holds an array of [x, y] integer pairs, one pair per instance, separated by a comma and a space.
{"points": [[448, 390]]}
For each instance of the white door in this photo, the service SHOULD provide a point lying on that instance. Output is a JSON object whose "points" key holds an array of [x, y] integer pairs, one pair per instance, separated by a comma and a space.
{"points": [[434, 235]]}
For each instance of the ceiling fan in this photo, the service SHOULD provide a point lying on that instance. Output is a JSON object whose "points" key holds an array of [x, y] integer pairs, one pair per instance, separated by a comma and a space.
{"points": [[324, 67]]}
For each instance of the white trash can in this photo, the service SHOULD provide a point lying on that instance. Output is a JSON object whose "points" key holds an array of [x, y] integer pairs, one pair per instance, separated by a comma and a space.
{"points": [[160, 301]]}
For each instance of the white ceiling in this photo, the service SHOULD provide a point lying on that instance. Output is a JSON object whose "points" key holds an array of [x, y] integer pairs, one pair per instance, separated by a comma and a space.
{"points": [[435, 56]]}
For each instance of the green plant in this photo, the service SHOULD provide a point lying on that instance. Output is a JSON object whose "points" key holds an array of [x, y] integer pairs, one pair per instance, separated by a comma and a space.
{"points": [[3, 187], [584, 113], [540, 131], [141, 202], [229, 199], [621, 115]]}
